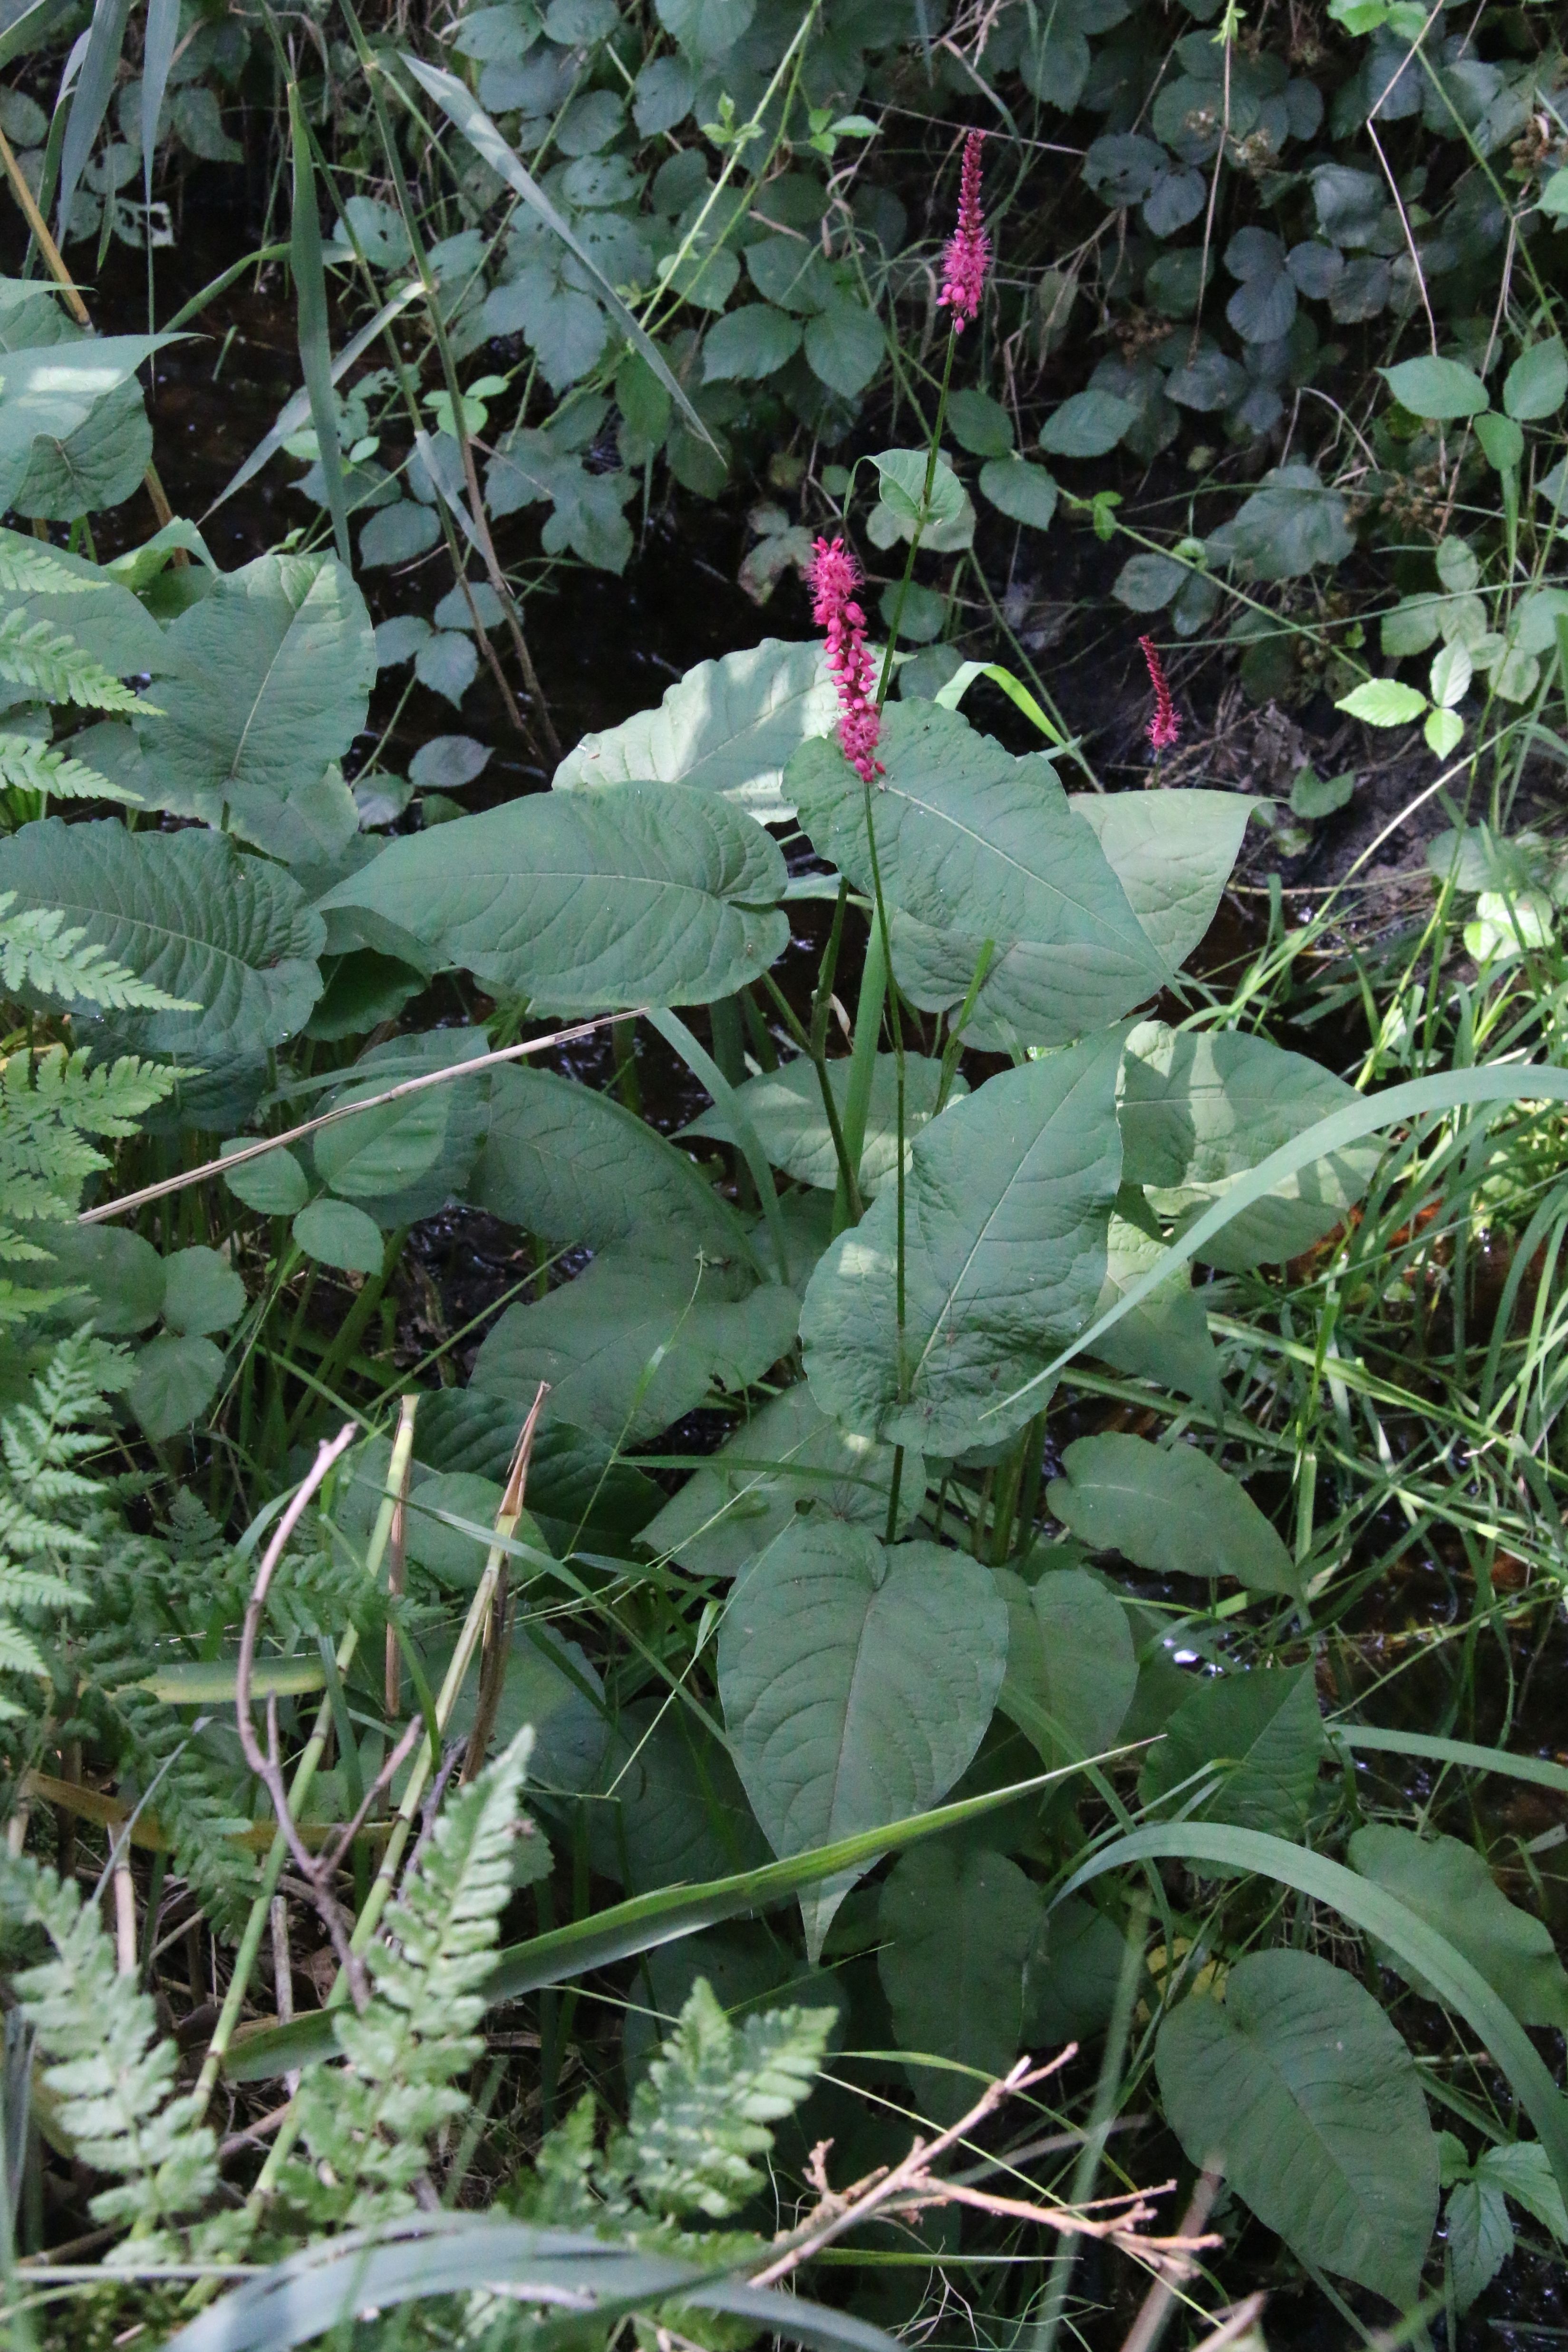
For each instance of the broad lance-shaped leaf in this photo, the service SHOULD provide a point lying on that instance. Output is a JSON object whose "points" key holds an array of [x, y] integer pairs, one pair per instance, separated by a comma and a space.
{"points": [[640, 1338], [51, 389], [787, 1458], [572, 1165], [785, 1109], [638, 893], [1261, 1734], [273, 672], [728, 726], [1166, 1338], [1296, 2086], [857, 1684], [1071, 1667], [1448, 1884], [958, 1927], [189, 913], [1198, 1107], [1007, 1205], [972, 840], [1172, 852], [1167, 1508]]}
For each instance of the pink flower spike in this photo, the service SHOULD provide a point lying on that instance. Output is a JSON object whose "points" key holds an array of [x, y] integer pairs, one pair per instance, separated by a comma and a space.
{"points": [[968, 254], [1165, 727], [835, 577]]}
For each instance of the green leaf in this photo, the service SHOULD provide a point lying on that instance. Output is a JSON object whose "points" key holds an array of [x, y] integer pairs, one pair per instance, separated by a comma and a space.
{"points": [[1480, 2235], [202, 1294], [1167, 1338], [1200, 1108], [788, 1458], [1313, 796], [1292, 523], [1024, 493], [1438, 389], [574, 1166], [980, 425], [51, 389], [453, 1556], [784, 1106], [1502, 441], [637, 1339], [1297, 2087], [1448, 1884], [728, 726], [121, 1274], [272, 676], [945, 525], [1173, 853], [447, 663], [274, 1184], [748, 343], [845, 345], [637, 894], [1069, 1988], [1086, 425], [175, 1378], [1382, 702], [90, 607], [188, 913], [967, 832], [397, 534], [1263, 1732], [334, 1232], [1537, 383], [1523, 2171], [1071, 1669], [1146, 583], [1008, 1198], [1169, 1509], [957, 1927], [857, 1684]]}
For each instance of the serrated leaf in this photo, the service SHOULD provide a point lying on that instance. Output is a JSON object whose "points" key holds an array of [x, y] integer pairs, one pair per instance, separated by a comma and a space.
{"points": [[844, 346], [1382, 702], [1480, 2235], [175, 1378], [957, 1930], [1448, 1884], [1169, 1509], [1296, 2086], [1007, 1203], [639, 893], [188, 913], [857, 1684], [749, 344], [728, 727]]}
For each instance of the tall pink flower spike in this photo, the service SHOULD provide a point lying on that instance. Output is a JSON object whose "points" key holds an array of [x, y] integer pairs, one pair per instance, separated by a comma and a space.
{"points": [[968, 254], [835, 577], [1165, 727]]}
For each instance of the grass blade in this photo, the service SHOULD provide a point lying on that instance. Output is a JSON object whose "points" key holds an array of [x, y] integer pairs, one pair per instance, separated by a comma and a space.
{"points": [[315, 342], [90, 104]]}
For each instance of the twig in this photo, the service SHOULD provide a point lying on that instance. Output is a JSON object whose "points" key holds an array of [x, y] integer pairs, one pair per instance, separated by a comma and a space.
{"points": [[397, 1568], [1149, 2324], [161, 1191]]}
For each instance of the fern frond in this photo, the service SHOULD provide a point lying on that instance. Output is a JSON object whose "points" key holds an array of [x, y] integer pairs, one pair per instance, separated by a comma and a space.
{"points": [[35, 953], [29, 568], [29, 767], [107, 2070], [195, 1799], [368, 2124], [703, 2107], [41, 658], [100, 1098]]}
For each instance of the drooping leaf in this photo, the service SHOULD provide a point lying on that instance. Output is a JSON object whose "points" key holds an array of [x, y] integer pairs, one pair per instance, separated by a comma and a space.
{"points": [[1166, 1338], [52, 389], [1169, 1509], [409, 1157], [785, 1108], [857, 1684], [1008, 1201], [188, 913], [1447, 1882], [728, 726], [1297, 2086], [640, 893], [1071, 1669], [638, 1339], [958, 1927], [788, 1458], [1260, 1733]]}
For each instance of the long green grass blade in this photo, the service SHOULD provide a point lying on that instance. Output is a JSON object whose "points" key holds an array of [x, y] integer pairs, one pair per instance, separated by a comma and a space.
{"points": [[649, 1920], [315, 341], [89, 102], [703, 1068], [1466, 1752], [1377, 1913], [1456, 1090], [482, 134]]}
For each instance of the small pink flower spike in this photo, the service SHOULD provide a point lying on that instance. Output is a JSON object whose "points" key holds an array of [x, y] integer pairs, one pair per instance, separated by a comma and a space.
{"points": [[1165, 727], [968, 254], [835, 577]]}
